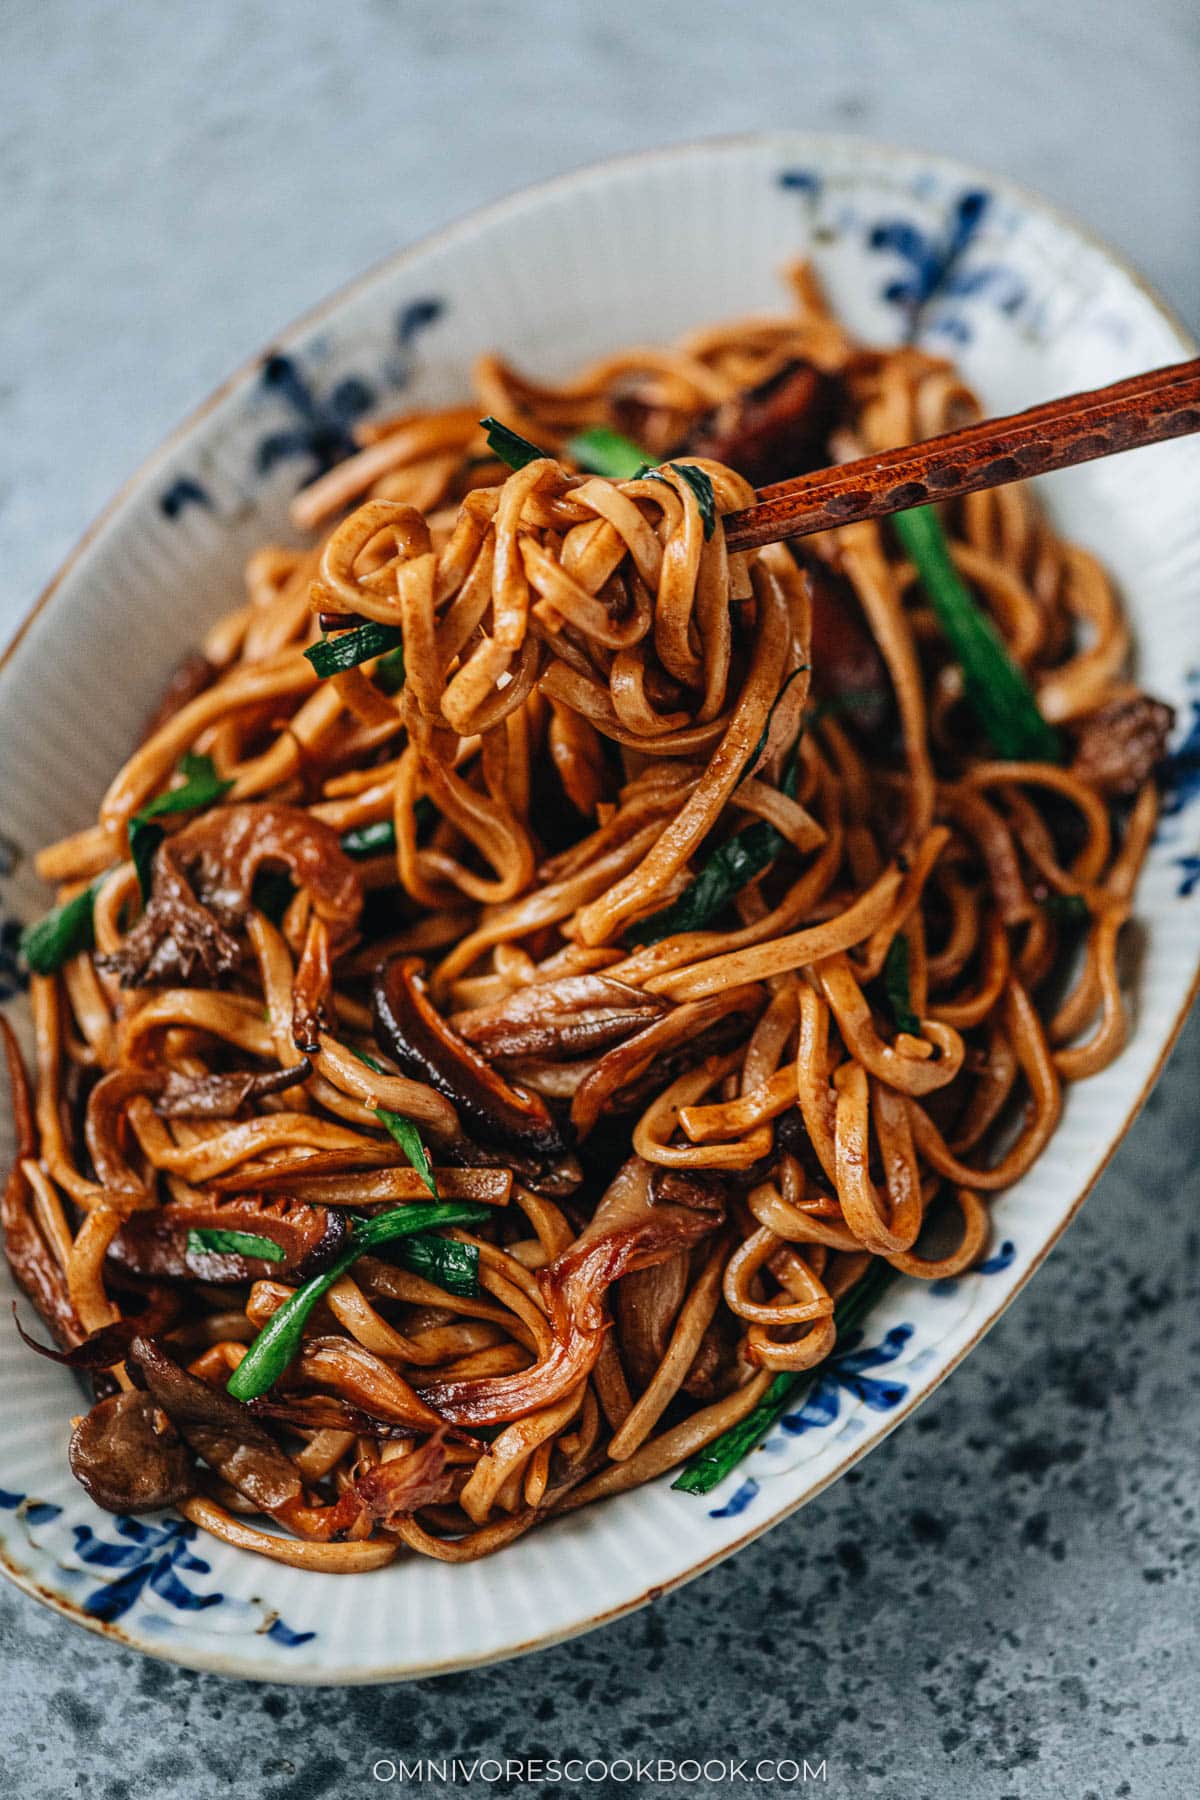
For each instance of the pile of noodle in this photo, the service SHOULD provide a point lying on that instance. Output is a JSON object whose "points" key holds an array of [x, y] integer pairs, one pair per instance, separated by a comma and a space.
{"points": [[596, 695]]}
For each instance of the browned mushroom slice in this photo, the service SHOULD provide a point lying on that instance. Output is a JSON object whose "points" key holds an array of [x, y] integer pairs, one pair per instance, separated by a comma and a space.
{"points": [[107, 1345], [326, 1412], [175, 1096], [128, 1455], [560, 1019], [223, 1096], [647, 1304], [203, 882], [414, 1034], [703, 1189], [155, 1243], [392, 1490], [644, 1064], [243, 1453]]}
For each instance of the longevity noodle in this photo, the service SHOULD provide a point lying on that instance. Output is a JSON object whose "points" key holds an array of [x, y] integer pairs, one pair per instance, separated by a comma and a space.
{"points": [[540, 970]]}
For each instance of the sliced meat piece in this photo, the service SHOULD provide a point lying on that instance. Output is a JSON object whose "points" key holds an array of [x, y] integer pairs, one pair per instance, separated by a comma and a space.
{"points": [[775, 430], [575, 1016], [220, 1429], [129, 1456], [1118, 748], [849, 676]]}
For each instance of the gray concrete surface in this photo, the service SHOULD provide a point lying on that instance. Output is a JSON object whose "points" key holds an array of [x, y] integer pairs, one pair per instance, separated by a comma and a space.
{"points": [[1003, 1601]]}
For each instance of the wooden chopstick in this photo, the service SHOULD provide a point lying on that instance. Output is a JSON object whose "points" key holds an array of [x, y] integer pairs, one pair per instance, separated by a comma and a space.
{"points": [[1144, 409]]}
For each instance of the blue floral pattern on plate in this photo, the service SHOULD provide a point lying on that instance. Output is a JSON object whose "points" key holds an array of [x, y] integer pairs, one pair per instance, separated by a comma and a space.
{"points": [[317, 428], [148, 1557], [845, 1373], [935, 277], [1179, 779]]}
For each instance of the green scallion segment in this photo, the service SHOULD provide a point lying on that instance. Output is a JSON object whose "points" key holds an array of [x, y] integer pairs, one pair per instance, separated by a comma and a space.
{"points": [[602, 451], [210, 1240], [334, 655], [702, 487], [379, 838], [1001, 697], [731, 867], [402, 1129], [279, 1340], [51, 941], [390, 671], [765, 733], [144, 839], [898, 988], [201, 786], [376, 839], [368, 1062], [510, 446], [710, 1467], [1067, 909], [443, 1261], [409, 1140]]}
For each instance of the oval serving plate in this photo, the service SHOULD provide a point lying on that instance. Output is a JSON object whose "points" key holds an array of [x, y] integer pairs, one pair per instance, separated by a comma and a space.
{"points": [[632, 250]]}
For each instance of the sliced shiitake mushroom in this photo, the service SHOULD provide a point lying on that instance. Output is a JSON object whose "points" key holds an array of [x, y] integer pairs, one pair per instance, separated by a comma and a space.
{"points": [[411, 1031]]}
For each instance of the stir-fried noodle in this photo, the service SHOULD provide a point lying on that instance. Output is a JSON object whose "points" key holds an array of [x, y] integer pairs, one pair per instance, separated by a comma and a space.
{"points": [[655, 926]]}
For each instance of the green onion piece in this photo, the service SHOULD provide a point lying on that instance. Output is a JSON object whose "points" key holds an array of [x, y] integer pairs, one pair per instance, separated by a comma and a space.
{"points": [[510, 446], [279, 1340], [996, 688], [389, 671], [66, 930], [334, 655], [898, 987], [770, 719], [1067, 909], [702, 487], [205, 1240], [379, 838], [719, 1459], [730, 867], [370, 840], [402, 1129], [409, 1140], [602, 451], [838, 704], [144, 839], [201, 786], [444, 1261]]}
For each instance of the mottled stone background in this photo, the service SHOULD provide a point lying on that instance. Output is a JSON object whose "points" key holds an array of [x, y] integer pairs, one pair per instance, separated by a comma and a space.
{"points": [[1003, 1601]]}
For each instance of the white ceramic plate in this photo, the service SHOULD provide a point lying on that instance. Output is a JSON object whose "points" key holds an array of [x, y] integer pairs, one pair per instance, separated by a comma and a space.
{"points": [[632, 250]]}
